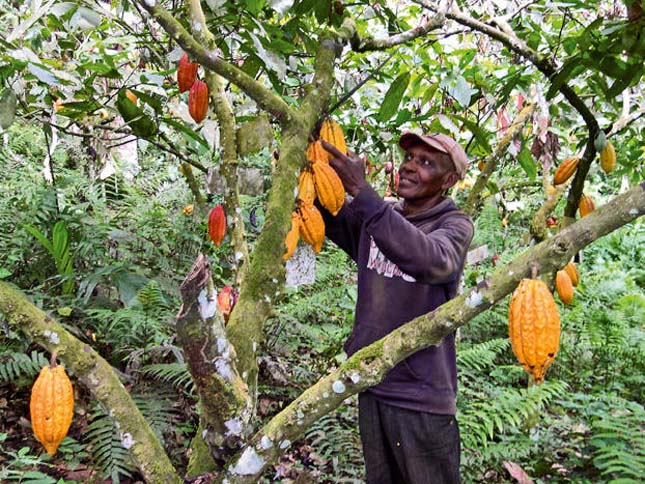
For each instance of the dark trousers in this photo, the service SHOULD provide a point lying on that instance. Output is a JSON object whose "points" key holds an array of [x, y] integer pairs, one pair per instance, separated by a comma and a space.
{"points": [[407, 447]]}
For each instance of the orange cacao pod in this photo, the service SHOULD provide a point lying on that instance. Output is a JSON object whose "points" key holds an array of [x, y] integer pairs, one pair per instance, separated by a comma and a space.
{"points": [[329, 188], [291, 240], [306, 187], [198, 101], [186, 73], [572, 271], [312, 228], [586, 205], [51, 407], [566, 169], [315, 152], [217, 225], [331, 132], [534, 327], [564, 287]]}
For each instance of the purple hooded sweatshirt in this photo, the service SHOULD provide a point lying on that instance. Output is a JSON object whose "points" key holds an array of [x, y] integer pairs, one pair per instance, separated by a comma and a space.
{"points": [[407, 266]]}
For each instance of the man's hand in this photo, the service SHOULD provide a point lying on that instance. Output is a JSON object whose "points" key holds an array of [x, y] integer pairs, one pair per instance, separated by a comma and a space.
{"points": [[350, 168]]}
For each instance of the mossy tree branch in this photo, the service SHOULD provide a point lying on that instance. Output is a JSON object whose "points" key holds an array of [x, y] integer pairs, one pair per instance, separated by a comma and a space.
{"points": [[490, 163], [370, 364], [265, 281], [369, 44], [97, 376]]}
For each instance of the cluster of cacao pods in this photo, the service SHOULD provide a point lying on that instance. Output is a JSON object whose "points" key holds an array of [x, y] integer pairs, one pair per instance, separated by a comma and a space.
{"points": [[565, 280], [534, 327], [51, 406], [217, 224], [317, 180], [198, 90]]}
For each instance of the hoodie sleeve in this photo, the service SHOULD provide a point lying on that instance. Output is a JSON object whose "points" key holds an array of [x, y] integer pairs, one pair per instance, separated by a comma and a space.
{"points": [[435, 257], [343, 229]]}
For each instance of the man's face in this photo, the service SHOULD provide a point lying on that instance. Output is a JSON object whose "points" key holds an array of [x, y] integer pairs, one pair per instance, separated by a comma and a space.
{"points": [[425, 174]]}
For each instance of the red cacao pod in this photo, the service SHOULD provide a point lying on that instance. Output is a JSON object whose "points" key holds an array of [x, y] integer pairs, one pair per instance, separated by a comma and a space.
{"points": [[226, 300], [186, 73], [198, 101], [217, 224]]}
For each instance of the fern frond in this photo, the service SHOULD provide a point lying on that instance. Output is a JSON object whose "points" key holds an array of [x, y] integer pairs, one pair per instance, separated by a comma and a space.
{"points": [[482, 355], [176, 374], [105, 446], [14, 365]]}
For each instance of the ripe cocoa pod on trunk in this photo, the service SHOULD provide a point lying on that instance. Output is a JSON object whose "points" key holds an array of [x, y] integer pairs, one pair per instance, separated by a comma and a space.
{"points": [[217, 224], [331, 132], [51, 407], [312, 228], [315, 152], [329, 187], [291, 240], [198, 101], [566, 169], [586, 205], [534, 327], [186, 73], [564, 287], [306, 187]]}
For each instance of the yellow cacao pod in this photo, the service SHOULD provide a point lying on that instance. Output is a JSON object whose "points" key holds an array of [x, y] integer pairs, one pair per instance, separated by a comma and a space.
{"points": [[572, 270], [315, 152], [312, 227], [331, 132], [51, 407], [564, 287], [306, 187], [291, 240], [608, 158], [329, 188], [586, 205], [534, 327], [566, 169]]}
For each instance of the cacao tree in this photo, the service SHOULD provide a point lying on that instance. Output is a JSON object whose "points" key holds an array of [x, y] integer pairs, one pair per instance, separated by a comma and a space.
{"points": [[520, 86]]}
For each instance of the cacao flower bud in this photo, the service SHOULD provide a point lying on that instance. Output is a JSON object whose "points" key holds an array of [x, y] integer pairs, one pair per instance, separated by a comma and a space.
{"points": [[186, 73], [389, 166], [198, 101], [217, 225]]}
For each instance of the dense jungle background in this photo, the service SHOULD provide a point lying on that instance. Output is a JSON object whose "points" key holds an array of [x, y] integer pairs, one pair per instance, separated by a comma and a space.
{"points": [[101, 220]]}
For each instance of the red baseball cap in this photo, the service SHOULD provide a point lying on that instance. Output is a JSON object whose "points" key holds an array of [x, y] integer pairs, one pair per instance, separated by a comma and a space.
{"points": [[440, 142]]}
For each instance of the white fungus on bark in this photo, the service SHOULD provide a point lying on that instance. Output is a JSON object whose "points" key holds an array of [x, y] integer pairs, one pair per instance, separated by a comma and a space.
{"points": [[338, 386], [285, 443], [207, 307], [233, 426], [265, 442], [249, 463], [474, 299], [52, 336], [126, 440]]}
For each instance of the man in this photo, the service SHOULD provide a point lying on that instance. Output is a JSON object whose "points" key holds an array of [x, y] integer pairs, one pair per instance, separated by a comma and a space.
{"points": [[410, 257]]}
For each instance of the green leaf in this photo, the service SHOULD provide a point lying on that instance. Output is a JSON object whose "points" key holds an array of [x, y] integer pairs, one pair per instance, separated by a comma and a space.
{"points": [[569, 70], [526, 162], [8, 103], [187, 131], [4, 273], [40, 237], [393, 97], [141, 124]]}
